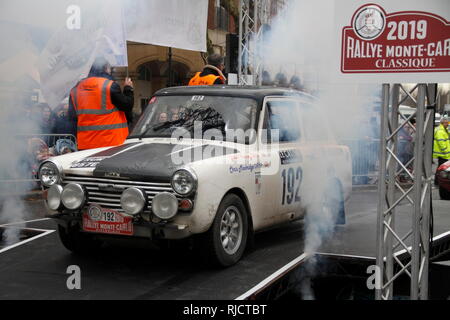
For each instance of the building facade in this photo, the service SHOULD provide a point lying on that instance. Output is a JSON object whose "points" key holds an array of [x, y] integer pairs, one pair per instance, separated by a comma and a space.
{"points": [[148, 65]]}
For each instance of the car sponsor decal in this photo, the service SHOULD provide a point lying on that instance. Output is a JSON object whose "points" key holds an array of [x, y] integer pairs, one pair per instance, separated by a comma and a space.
{"points": [[249, 167], [198, 98], [90, 162], [93, 160], [101, 220], [290, 156]]}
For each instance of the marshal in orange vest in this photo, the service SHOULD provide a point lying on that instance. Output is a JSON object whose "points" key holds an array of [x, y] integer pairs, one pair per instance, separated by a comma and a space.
{"points": [[100, 123], [207, 80]]}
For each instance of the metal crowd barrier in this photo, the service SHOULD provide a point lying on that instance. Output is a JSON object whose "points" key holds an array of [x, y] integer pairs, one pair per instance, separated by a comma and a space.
{"points": [[365, 161], [49, 139], [27, 151]]}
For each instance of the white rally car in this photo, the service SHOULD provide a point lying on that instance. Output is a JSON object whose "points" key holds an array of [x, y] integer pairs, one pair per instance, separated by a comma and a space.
{"points": [[217, 162]]}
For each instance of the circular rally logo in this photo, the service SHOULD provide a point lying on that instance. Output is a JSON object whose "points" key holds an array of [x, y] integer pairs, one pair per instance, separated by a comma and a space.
{"points": [[95, 213], [369, 22]]}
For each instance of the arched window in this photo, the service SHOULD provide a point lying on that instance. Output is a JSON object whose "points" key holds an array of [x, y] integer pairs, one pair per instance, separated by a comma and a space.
{"points": [[144, 73]]}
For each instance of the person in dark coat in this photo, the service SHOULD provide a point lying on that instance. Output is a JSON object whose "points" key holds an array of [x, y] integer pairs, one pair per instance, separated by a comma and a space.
{"points": [[266, 79], [281, 80], [212, 73], [62, 123], [41, 116], [122, 101]]}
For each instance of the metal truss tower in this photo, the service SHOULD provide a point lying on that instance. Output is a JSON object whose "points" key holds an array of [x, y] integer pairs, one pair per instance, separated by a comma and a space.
{"points": [[415, 242], [253, 14]]}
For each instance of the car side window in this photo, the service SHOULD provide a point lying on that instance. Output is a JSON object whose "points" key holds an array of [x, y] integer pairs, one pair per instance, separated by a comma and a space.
{"points": [[282, 119]]}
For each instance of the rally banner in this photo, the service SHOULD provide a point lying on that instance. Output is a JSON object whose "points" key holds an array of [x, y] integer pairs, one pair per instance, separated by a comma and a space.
{"points": [[71, 50], [393, 41], [172, 23], [55, 42]]}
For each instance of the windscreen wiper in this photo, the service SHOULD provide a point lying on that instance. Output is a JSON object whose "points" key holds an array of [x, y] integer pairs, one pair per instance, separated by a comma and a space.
{"points": [[160, 126], [208, 116]]}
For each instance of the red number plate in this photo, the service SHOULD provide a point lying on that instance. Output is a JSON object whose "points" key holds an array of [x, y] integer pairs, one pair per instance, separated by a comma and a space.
{"points": [[100, 220]]}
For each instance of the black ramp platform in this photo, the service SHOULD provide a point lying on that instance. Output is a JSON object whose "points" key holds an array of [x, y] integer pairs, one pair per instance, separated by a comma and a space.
{"points": [[37, 270], [359, 235]]}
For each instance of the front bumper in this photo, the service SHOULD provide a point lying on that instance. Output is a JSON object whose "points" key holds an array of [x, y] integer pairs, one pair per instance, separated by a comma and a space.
{"points": [[141, 229]]}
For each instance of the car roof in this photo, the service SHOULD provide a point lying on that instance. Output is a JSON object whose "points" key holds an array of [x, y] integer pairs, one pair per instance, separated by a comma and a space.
{"points": [[254, 92]]}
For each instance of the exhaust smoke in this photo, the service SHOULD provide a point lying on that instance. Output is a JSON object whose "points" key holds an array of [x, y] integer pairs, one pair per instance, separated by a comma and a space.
{"points": [[47, 46], [299, 44]]}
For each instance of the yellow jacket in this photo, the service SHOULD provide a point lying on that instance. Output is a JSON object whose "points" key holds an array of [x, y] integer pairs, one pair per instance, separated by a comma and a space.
{"points": [[441, 148]]}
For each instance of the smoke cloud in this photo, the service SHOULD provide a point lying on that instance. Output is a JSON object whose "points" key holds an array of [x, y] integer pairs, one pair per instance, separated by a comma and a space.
{"points": [[47, 46], [299, 44], [15, 168]]}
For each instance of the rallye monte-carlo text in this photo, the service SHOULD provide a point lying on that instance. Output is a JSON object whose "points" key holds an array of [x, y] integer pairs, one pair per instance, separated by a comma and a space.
{"points": [[218, 163]]}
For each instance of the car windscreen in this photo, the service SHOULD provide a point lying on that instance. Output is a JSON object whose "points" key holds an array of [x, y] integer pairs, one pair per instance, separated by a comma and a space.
{"points": [[212, 116]]}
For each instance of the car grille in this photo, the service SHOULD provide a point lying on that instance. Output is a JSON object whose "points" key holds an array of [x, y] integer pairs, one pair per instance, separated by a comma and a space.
{"points": [[111, 198]]}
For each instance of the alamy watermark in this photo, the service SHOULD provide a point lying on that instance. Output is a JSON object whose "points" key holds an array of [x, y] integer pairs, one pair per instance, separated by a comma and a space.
{"points": [[374, 280], [244, 155], [74, 280], [73, 22]]}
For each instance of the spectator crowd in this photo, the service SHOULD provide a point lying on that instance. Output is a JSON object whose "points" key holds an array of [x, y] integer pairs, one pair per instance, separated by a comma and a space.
{"points": [[53, 134]]}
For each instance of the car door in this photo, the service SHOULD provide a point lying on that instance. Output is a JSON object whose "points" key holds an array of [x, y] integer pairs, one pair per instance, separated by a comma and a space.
{"points": [[284, 131]]}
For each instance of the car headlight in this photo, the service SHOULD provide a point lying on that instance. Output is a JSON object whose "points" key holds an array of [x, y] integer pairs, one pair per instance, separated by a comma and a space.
{"points": [[184, 182], [73, 196], [54, 196], [165, 205], [49, 174], [132, 201]]}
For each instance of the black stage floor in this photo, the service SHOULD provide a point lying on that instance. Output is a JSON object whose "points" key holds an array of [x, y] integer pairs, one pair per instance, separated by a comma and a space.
{"points": [[37, 269], [358, 237]]}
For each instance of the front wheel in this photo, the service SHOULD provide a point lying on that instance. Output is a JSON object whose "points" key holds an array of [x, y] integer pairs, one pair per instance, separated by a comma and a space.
{"points": [[225, 241]]}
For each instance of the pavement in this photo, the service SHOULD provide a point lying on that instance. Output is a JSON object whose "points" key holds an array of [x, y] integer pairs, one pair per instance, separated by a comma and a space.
{"points": [[37, 269]]}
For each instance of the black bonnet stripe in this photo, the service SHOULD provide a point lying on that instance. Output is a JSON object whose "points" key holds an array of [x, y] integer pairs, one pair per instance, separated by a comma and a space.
{"points": [[114, 150]]}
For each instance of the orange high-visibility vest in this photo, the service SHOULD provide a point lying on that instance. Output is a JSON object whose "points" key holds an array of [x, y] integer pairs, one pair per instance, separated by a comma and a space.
{"points": [[207, 80], [100, 123]]}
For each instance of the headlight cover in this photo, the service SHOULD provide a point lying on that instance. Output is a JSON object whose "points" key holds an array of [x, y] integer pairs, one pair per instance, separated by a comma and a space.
{"points": [[54, 197], [184, 182], [132, 201], [49, 174], [165, 205], [73, 196]]}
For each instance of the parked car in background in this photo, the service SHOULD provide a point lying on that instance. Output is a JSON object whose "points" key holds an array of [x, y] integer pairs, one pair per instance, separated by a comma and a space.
{"points": [[443, 175]]}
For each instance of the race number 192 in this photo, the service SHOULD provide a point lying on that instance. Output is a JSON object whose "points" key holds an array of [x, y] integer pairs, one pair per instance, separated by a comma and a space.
{"points": [[407, 30], [292, 179]]}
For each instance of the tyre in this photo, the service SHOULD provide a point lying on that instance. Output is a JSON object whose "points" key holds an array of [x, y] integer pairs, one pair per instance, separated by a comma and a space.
{"points": [[224, 243], [444, 194], [76, 241]]}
